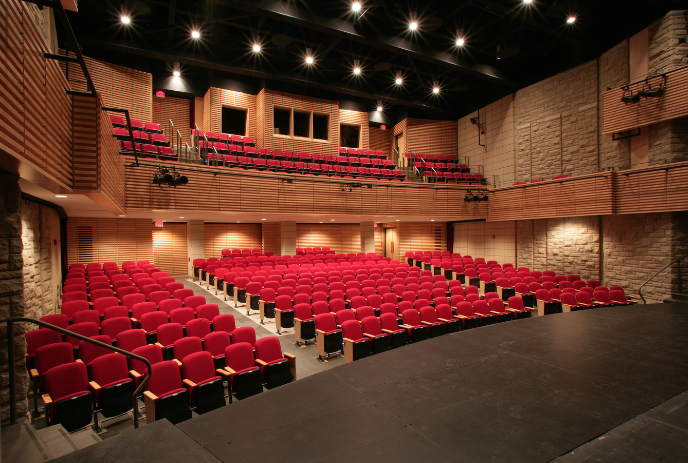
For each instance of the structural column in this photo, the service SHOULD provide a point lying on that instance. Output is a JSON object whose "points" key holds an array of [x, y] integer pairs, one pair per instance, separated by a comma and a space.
{"points": [[288, 237], [367, 237], [195, 240]]}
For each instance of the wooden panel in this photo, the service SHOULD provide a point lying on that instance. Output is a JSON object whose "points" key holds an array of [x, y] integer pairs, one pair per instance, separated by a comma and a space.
{"points": [[176, 109], [272, 238], [219, 236], [341, 238], [109, 240], [421, 236], [35, 111], [432, 137], [356, 118], [119, 86], [381, 140], [269, 193], [216, 98], [170, 250], [379, 240], [619, 116], [578, 196], [110, 167], [651, 189], [85, 125]]}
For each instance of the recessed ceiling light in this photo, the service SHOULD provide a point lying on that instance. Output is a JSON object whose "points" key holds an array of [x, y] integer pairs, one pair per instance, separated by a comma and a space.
{"points": [[176, 73], [436, 90], [571, 19], [122, 215], [432, 220], [460, 42], [181, 217], [60, 196], [125, 19], [413, 26], [379, 109], [256, 48], [527, 1], [356, 6], [195, 34], [263, 219], [309, 60], [397, 220], [357, 71], [332, 220], [398, 81]]}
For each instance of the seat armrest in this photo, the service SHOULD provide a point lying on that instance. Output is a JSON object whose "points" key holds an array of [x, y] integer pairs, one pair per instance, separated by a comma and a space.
{"points": [[481, 314], [189, 383], [511, 310], [159, 345], [348, 340], [134, 320], [94, 385], [407, 326], [289, 356], [149, 395], [34, 373], [230, 371], [46, 399], [426, 323], [278, 310], [222, 372], [79, 361], [135, 373], [387, 331], [368, 335], [298, 320], [495, 312], [460, 316], [320, 331], [178, 362], [261, 362], [443, 320]]}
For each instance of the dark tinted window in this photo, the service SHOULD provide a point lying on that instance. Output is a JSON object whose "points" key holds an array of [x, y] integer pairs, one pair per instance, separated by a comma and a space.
{"points": [[349, 136], [233, 121], [321, 127], [302, 123], [282, 123]]}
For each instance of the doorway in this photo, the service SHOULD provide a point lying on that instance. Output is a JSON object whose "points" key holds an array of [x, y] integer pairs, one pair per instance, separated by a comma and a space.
{"points": [[396, 153], [390, 242]]}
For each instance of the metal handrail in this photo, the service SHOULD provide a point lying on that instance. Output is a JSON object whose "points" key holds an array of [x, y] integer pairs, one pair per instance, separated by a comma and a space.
{"points": [[171, 127], [178, 145], [12, 361], [640, 290], [131, 132]]}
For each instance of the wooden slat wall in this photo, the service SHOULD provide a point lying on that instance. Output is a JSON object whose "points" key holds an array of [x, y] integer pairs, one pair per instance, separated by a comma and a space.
{"points": [[341, 238], [110, 167], [587, 195], [34, 109], [272, 238], [379, 245], [219, 236], [421, 236], [85, 123], [119, 86], [649, 190], [268, 193], [356, 118], [381, 140], [215, 98], [619, 116], [177, 109], [170, 250], [113, 240], [432, 137], [267, 139]]}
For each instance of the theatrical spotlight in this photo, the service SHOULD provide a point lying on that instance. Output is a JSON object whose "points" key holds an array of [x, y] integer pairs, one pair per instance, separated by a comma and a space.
{"points": [[169, 177], [629, 97], [474, 198], [649, 92]]}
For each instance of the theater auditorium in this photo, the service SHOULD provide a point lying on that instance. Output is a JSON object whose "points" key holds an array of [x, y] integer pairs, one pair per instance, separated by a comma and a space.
{"points": [[376, 230]]}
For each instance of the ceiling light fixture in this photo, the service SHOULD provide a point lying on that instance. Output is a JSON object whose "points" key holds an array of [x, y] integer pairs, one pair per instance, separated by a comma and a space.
{"points": [[60, 196], [571, 19], [399, 80], [195, 34], [122, 215], [528, 1], [435, 87], [460, 40], [125, 19], [181, 217], [256, 48], [356, 6], [357, 66], [176, 73], [309, 60], [379, 106], [263, 219], [413, 26]]}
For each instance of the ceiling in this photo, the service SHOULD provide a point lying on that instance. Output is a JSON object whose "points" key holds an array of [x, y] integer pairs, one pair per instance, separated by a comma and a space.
{"points": [[535, 41]]}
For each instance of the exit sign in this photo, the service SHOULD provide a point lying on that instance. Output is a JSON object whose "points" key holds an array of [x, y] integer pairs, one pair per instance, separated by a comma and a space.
{"points": [[160, 94], [158, 224]]}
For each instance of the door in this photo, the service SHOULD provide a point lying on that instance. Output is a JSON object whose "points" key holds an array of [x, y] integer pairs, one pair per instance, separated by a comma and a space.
{"points": [[397, 156], [390, 245]]}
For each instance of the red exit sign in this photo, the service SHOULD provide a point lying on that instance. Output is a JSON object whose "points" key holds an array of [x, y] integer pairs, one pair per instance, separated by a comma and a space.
{"points": [[160, 94], [158, 224]]}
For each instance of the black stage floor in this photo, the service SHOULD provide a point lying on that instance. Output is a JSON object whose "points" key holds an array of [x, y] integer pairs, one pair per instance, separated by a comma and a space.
{"points": [[529, 390]]}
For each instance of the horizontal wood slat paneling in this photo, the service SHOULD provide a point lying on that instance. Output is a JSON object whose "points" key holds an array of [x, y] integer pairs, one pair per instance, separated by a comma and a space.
{"points": [[110, 167], [432, 137], [341, 238], [272, 238], [269, 193], [35, 111], [109, 240], [619, 117], [176, 109], [219, 236], [355, 118], [215, 98], [421, 236], [381, 140], [651, 190], [170, 249]]}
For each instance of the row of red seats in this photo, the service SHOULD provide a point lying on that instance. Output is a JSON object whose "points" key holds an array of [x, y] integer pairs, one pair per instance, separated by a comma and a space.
{"points": [[140, 137], [148, 127], [362, 152], [238, 140], [431, 157]]}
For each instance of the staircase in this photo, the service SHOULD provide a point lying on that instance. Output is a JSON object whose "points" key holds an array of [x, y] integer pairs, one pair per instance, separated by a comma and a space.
{"points": [[23, 443], [411, 174], [680, 298]]}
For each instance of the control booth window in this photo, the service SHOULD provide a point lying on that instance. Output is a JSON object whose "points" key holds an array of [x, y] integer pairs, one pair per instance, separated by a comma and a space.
{"points": [[282, 122], [233, 121], [350, 136], [321, 125], [302, 124]]}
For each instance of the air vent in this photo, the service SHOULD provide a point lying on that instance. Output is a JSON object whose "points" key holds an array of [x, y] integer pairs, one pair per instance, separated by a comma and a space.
{"points": [[84, 237]]}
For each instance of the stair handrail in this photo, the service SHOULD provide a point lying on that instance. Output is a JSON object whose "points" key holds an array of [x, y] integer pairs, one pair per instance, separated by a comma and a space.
{"points": [[640, 290], [12, 361], [131, 132]]}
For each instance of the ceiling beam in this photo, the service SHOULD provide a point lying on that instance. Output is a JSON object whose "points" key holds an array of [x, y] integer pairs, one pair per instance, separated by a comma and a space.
{"points": [[275, 76], [288, 12]]}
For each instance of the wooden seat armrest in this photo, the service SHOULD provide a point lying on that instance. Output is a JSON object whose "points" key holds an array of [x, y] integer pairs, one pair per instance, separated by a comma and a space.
{"points": [[261, 362], [189, 383], [34, 373], [298, 320], [149, 395], [368, 335], [94, 385], [178, 362], [511, 310], [134, 320], [222, 372], [407, 326], [135, 374], [159, 345], [320, 331], [460, 316], [348, 340], [289, 356], [278, 310], [495, 312], [426, 323], [443, 320], [387, 331], [46, 399], [230, 371], [261, 301]]}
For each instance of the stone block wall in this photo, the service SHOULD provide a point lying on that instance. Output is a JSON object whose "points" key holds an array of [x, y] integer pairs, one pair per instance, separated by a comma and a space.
{"points": [[613, 71], [11, 291], [41, 257], [666, 53]]}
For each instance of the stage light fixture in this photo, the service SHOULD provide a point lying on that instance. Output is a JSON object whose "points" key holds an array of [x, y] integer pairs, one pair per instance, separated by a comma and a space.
{"points": [[629, 97], [356, 6], [196, 34], [125, 19], [649, 92], [169, 177], [571, 19], [470, 197]]}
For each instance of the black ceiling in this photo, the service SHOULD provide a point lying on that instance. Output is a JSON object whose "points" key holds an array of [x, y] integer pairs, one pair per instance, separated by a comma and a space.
{"points": [[537, 34]]}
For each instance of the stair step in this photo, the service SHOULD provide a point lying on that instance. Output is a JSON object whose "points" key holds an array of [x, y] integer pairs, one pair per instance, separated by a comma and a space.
{"points": [[680, 296]]}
